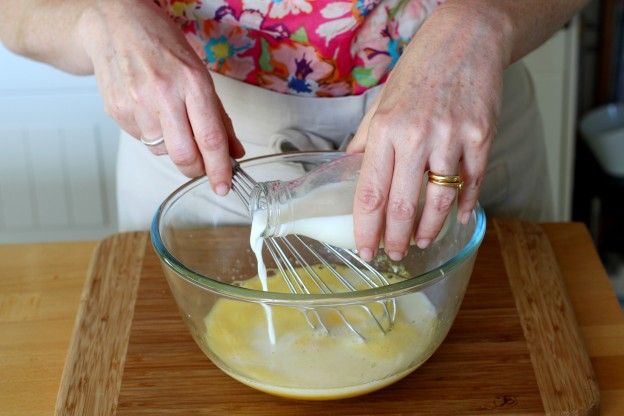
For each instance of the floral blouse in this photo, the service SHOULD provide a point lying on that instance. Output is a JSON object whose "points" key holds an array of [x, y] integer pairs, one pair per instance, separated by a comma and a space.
{"points": [[317, 48]]}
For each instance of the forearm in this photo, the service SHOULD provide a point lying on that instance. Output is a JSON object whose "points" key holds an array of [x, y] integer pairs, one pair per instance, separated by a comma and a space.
{"points": [[518, 26], [47, 31]]}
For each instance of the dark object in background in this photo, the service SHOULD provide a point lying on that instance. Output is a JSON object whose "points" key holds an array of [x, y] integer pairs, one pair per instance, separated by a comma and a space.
{"points": [[598, 197], [609, 77], [598, 201]]}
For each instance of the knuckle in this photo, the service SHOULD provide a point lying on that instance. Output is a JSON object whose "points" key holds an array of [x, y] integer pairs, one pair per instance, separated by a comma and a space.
{"points": [[418, 131], [479, 133], [427, 233], [217, 173], [116, 109], [211, 140], [110, 109], [442, 126], [443, 201], [198, 82], [183, 156], [426, 229], [191, 171], [161, 85], [402, 210], [144, 100], [395, 245], [381, 124], [159, 150], [197, 75], [135, 92], [474, 183], [370, 199], [363, 236]]}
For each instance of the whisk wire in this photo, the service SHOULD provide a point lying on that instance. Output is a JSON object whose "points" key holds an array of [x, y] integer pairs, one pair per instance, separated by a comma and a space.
{"points": [[244, 186], [289, 273], [365, 277], [339, 277], [242, 183], [320, 284], [382, 278]]}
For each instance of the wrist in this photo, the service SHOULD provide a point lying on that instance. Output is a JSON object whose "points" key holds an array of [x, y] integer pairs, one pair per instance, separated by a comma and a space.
{"points": [[490, 23], [97, 22], [90, 30]]}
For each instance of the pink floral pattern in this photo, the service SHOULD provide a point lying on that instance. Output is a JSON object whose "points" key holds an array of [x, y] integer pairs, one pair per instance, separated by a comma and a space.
{"points": [[304, 47]]}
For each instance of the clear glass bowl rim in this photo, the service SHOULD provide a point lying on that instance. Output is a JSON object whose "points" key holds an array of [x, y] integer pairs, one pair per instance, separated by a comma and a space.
{"points": [[297, 300]]}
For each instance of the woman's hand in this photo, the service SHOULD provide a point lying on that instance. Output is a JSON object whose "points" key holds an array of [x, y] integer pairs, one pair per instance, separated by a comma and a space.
{"points": [[155, 86], [437, 112]]}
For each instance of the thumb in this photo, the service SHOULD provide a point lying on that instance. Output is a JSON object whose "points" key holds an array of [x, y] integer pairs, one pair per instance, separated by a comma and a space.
{"points": [[358, 143]]}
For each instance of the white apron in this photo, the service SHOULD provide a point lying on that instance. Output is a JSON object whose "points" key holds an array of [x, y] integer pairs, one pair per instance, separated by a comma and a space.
{"points": [[516, 182]]}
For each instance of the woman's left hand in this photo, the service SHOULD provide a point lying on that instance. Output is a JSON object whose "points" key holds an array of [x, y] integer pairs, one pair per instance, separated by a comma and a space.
{"points": [[437, 112]]}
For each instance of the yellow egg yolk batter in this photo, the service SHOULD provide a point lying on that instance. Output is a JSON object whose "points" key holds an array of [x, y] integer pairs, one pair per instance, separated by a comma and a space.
{"points": [[314, 363]]}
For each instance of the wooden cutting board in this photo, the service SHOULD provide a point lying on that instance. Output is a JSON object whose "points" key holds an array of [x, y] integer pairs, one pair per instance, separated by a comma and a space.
{"points": [[514, 348]]}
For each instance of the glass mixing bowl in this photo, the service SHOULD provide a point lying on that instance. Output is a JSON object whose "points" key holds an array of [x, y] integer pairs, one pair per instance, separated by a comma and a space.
{"points": [[203, 244]]}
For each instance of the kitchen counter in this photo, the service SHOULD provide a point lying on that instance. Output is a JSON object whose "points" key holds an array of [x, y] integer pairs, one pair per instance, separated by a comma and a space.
{"points": [[40, 286]]}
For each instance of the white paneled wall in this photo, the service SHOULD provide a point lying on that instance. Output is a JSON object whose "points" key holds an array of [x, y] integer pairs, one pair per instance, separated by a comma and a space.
{"points": [[57, 155], [554, 68]]}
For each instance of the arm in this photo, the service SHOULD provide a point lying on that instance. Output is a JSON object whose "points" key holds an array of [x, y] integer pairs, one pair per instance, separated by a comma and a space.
{"points": [[46, 31], [438, 112], [525, 25], [152, 81]]}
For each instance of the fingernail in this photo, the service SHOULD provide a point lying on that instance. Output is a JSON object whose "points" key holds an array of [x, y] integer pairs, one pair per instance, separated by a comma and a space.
{"points": [[423, 242], [395, 255], [222, 189], [366, 254], [465, 217]]}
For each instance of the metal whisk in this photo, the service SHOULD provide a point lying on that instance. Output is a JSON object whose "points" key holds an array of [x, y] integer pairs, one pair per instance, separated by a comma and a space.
{"points": [[294, 258]]}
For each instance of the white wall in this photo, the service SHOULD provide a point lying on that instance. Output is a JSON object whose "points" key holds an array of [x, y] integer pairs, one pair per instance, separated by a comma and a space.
{"points": [[554, 68], [57, 155]]}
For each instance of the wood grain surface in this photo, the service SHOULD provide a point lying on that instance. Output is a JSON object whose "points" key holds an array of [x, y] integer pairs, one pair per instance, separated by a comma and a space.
{"points": [[596, 308], [40, 288], [96, 357], [493, 361], [483, 367], [562, 367]]}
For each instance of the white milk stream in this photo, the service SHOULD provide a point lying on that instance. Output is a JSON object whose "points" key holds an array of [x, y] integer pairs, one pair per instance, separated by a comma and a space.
{"points": [[334, 230], [256, 241], [274, 350], [312, 221]]}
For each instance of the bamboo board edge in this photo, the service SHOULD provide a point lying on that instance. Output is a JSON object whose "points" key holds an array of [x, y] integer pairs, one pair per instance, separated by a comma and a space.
{"points": [[93, 370], [558, 354]]}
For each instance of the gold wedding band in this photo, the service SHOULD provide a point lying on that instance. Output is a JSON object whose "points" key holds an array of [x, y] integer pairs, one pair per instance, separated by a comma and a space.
{"points": [[452, 181], [151, 143]]}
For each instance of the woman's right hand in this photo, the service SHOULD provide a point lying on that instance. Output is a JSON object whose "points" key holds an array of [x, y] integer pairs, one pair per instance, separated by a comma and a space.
{"points": [[154, 85]]}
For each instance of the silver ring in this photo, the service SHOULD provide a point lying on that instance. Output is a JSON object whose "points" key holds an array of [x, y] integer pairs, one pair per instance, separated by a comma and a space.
{"points": [[153, 142]]}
